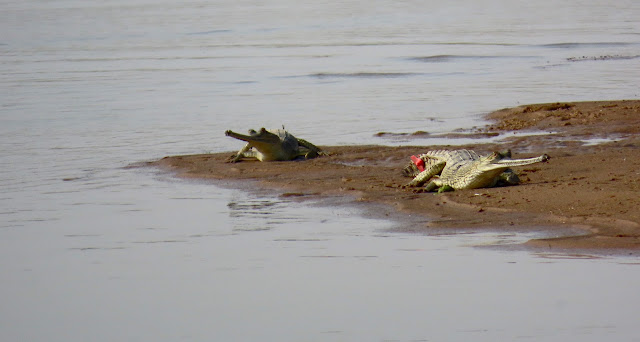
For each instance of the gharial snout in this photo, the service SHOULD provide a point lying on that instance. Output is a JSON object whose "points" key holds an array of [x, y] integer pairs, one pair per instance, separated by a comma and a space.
{"points": [[263, 136], [239, 136]]}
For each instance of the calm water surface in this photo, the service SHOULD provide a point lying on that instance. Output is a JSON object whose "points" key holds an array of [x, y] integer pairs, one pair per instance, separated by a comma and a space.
{"points": [[93, 250]]}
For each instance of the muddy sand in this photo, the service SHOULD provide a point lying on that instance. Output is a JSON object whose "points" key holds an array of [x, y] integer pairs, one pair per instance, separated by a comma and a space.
{"points": [[590, 187]]}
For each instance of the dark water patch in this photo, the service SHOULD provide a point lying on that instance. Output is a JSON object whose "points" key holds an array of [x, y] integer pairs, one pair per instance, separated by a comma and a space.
{"points": [[256, 205], [37, 219], [254, 214], [601, 58], [324, 75], [118, 59], [202, 33], [454, 58], [285, 220], [567, 256], [261, 214], [151, 228], [330, 76], [337, 44], [159, 241], [549, 66], [583, 45], [85, 249], [200, 235], [134, 210], [393, 134], [71, 179], [263, 228], [292, 194]]}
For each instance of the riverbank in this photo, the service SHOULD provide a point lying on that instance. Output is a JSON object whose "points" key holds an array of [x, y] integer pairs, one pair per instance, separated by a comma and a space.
{"points": [[592, 181]]}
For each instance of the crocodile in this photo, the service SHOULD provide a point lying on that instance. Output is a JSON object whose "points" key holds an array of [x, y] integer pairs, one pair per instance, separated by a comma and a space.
{"points": [[464, 169], [273, 145], [419, 164]]}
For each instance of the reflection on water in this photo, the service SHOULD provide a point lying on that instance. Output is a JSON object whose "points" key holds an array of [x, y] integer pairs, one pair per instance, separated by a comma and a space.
{"points": [[92, 250], [567, 256]]}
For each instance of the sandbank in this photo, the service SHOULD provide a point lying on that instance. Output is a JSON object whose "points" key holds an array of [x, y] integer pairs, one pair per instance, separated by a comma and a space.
{"points": [[591, 185]]}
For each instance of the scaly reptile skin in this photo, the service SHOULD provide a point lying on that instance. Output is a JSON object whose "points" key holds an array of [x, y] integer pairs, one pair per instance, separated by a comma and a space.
{"points": [[273, 145], [465, 169]]}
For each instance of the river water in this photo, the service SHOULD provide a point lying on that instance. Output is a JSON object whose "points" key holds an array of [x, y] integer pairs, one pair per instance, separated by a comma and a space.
{"points": [[93, 250]]}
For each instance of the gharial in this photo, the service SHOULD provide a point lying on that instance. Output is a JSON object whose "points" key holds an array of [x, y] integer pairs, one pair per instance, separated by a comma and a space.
{"points": [[273, 145], [464, 169]]}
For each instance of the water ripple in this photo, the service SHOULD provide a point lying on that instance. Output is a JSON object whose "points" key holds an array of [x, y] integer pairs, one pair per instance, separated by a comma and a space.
{"points": [[208, 32], [583, 45], [322, 75], [453, 58]]}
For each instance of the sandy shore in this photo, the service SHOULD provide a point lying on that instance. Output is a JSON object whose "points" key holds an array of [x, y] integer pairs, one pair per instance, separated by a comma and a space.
{"points": [[592, 187]]}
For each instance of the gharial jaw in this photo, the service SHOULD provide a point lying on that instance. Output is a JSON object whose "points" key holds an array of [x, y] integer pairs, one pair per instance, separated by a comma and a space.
{"points": [[497, 161], [262, 137]]}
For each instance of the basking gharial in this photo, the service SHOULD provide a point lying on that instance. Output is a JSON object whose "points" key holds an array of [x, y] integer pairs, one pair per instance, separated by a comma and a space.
{"points": [[273, 145], [465, 169]]}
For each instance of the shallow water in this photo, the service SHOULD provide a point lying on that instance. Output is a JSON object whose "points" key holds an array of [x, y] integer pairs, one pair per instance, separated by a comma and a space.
{"points": [[94, 250]]}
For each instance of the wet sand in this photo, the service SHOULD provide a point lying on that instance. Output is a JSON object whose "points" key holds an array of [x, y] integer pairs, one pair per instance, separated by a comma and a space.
{"points": [[592, 187]]}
